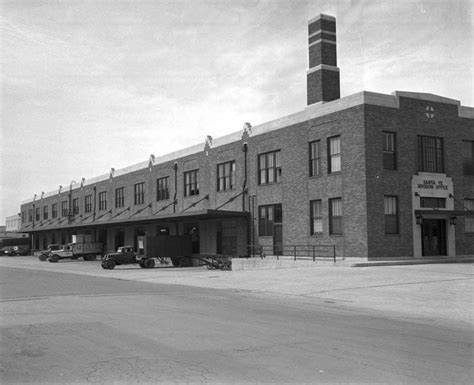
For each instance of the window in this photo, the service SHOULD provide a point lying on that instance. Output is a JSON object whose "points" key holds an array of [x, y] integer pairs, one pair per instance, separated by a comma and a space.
{"points": [[103, 200], [30, 215], [334, 154], [335, 216], [225, 176], [316, 217], [468, 157], [119, 197], [23, 217], [267, 216], [391, 214], [191, 184], [64, 209], [433, 203], [469, 219], [389, 151], [162, 190], [88, 203], [54, 210], [45, 212], [37, 214], [75, 206], [139, 193], [269, 168], [430, 154], [315, 158]]}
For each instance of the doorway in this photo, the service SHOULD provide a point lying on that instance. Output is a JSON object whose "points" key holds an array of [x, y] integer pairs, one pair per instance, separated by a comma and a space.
{"points": [[433, 237]]}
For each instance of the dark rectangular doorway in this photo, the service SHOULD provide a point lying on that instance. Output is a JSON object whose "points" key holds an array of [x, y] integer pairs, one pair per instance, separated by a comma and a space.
{"points": [[433, 237]]}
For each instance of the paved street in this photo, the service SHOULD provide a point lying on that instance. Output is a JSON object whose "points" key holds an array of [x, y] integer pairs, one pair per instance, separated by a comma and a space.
{"points": [[79, 328]]}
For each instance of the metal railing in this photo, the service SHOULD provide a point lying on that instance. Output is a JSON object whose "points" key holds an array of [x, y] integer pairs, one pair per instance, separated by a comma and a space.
{"points": [[294, 251]]}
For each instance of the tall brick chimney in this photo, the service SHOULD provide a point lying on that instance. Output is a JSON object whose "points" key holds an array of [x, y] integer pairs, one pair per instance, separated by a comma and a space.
{"points": [[322, 78]]}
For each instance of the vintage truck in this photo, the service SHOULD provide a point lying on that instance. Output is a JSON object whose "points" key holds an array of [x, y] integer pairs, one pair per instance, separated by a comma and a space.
{"points": [[87, 250], [152, 248], [44, 254]]}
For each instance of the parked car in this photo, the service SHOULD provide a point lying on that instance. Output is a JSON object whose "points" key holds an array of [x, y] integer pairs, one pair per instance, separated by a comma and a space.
{"points": [[125, 256]]}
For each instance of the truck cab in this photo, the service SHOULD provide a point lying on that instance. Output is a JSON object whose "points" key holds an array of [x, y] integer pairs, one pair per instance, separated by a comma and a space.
{"points": [[125, 255]]}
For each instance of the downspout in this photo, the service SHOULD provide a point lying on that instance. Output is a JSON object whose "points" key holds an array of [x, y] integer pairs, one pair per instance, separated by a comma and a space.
{"points": [[244, 186], [175, 167]]}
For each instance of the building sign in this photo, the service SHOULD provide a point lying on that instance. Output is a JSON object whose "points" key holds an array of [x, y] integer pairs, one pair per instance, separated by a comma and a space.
{"points": [[433, 184]]}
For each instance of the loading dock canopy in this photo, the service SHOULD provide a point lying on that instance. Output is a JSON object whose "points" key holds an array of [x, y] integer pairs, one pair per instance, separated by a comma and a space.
{"points": [[444, 212], [173, 217]]}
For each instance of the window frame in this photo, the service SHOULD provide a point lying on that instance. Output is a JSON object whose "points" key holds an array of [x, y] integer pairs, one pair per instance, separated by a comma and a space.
{"points": [[37, 213], [389, 150], [269, 167], [335, 221], [103, 200], [162, 188], [64, 208], [431, 154], [272, 214], [469, 219], [333, 156], [119, 197], [468, 162], [139, 193], [314, 158], [191, 183], [316, 219], [88, 204], [391, 215], [54, 211], [226, 176]]}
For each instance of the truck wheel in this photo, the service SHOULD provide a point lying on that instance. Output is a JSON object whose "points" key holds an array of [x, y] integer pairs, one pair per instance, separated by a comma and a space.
{"points": [[103, 265], [43, 257], [109, 264], [149, 263], [54, 258], [142, 265]]}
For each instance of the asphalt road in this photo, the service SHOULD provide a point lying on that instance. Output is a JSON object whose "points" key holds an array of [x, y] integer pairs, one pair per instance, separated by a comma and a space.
{"points": [[66, 328]]}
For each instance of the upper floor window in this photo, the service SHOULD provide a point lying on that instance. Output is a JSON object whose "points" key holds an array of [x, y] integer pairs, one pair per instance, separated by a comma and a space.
{"points": [[315, 158], [430, 154], [268, 216], [389, 151], [469, 219], [38, 214], [335, 216], [23, 217], [139, 193], [334, 154], [162, 189], [391, 214], [75, 206], [316, 217], [64, 208], [45, 212], [88, 203], [191, 183], [225, 176], [54, 210], [119, 197], [103, 200], [30, 215], [468, 157], [269, 167]]}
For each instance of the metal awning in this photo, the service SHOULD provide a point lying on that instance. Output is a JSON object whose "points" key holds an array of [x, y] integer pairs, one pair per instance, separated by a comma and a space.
{"points": [[456, 213], [206, 214]]}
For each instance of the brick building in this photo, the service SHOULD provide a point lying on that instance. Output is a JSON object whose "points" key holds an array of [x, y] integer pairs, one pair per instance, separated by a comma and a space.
{"points": [[378, 176]]}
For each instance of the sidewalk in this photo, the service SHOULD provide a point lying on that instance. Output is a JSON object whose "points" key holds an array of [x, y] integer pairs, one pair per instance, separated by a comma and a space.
{"points": [[433, 292]]}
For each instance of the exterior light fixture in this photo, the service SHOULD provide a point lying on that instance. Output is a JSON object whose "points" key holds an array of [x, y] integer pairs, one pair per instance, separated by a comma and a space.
{"points": [[419, 220], [452, 221]]}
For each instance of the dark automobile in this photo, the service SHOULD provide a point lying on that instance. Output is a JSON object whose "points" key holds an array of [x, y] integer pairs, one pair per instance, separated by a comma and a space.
{"points": [[125, 256]]}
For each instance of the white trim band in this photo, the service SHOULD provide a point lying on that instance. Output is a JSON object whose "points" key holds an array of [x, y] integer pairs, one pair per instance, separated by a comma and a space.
{"points": [[323, 67]]}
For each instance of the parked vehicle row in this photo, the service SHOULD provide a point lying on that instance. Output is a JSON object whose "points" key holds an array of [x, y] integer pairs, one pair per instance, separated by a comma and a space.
{"points": [[14, 250]]}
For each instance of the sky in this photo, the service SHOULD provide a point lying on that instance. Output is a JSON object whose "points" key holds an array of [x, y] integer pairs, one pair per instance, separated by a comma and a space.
{"points": [[91, 85]]}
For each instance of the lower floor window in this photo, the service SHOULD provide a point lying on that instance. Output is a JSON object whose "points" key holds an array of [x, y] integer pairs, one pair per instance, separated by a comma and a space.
{"points": [[469, 219], [391, 214], [316, 217], [335, 216]]}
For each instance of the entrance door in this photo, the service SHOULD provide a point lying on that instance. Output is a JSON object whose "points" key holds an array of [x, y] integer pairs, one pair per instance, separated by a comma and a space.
{"points": [[434, 237]]}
